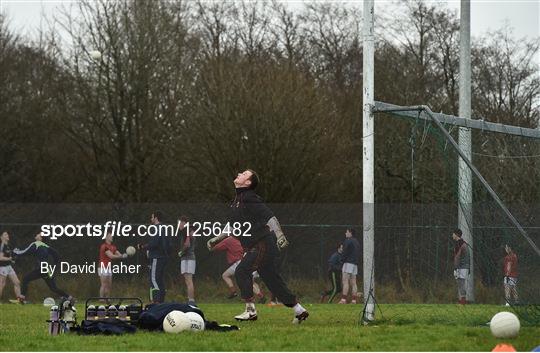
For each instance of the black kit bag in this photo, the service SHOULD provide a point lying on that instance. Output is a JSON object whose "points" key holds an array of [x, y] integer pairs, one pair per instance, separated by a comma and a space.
{"points": [[107, 326]]}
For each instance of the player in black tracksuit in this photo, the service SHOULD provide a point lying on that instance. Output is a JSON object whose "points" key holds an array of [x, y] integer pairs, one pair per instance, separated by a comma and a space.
{"points": [[335, 263], [43, 253], [158, 249], [261, 248]]}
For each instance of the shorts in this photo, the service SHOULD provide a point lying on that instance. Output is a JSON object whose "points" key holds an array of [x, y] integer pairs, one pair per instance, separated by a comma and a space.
{"points": [[104, 272], [461, 273], [510, 281], [6, 270], [232, 269], [349, 268], [187, 266]]}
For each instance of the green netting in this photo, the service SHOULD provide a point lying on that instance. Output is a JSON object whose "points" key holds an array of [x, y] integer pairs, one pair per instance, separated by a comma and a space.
{"points": [[424, 165]]}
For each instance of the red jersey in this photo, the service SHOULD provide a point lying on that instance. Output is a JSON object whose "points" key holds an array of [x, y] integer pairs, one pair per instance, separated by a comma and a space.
{"points": [[510, 265], [103, 258], [232, 246]]}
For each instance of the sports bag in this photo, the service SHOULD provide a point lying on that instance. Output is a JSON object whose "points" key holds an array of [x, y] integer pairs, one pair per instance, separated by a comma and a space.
{"points": [[107, 326]]}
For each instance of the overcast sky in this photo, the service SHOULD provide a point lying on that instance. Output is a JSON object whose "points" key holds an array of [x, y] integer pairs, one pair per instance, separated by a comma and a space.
{"points": [[523, 15]]}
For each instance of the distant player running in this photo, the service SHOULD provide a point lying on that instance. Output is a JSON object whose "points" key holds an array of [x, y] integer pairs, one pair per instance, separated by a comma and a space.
{"points": [[262, 247], [335, 264], [349, 271], [510, 275], [235, 252], [43, 253], [6, 270], [107, 252]]}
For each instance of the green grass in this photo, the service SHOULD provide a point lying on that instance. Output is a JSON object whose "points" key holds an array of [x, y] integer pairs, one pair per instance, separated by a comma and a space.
{"points": [[329, 328]]}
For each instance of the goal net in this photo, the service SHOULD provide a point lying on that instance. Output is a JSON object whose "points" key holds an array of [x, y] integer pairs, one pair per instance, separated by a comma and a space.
{"points": [[417, 161]]}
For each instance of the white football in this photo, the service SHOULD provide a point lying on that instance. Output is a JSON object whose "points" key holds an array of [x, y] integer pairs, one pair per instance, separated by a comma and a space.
{"points": [[196, 321], [130, 250], [176, 322], [95, 54], [504, 325], [48, 302]]}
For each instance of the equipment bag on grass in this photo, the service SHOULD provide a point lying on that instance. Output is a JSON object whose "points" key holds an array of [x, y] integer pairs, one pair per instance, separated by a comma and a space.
{"points": [[107, 326]]}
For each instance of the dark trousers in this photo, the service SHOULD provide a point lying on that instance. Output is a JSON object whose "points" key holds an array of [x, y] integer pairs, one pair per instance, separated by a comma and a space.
{"points": [[335, 280], [157, 279], [264, 258], [36, 274]]}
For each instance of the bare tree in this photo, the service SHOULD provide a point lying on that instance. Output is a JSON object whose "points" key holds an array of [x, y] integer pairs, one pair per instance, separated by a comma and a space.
{"points": [[127, 105]]}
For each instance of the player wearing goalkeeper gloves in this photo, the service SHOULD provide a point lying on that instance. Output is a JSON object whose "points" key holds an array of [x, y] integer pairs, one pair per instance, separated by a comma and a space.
{"points": [[262, 247], [43, 253], [6, 270], [107, 252]]}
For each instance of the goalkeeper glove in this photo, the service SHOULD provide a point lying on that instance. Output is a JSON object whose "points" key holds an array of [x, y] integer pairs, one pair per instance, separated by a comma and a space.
{"points": [[181, 253], [275, 227], [282, 242]]}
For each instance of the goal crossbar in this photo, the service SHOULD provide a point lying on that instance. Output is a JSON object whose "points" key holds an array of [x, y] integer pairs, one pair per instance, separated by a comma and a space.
{"points": [[412, 112]]}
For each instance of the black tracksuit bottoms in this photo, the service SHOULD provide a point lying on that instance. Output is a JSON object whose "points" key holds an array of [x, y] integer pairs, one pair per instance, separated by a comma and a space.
{"points": [[157, 279], [36, 274], [263, 257], [335, 279]]}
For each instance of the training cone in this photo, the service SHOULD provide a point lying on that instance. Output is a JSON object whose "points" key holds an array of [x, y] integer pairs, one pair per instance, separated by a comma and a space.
{"points": [[504, 347]]}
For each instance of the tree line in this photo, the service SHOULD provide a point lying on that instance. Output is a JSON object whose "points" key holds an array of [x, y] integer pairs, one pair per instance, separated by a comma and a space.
{"points": [[188, 93]]}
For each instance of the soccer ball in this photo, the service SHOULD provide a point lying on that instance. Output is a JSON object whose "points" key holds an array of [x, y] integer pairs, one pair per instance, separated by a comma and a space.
{"points": [[48, 302], [130, 250], [95, 54], [176, 322], [504, 325], [196, 321]]}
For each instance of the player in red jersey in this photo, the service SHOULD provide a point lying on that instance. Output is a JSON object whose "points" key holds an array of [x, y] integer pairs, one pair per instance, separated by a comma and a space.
{"points": [[235, 252], [107, 252], [510, 275]]}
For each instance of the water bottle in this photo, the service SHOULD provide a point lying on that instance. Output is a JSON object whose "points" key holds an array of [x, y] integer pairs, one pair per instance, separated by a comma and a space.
{"points": [[134, 312], [69, 318], [91, 312], [122, 312], [101, 312], [112, 312], [54, 324]]}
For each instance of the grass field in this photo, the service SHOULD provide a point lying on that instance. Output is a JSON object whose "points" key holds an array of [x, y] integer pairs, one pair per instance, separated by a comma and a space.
{"points": [[329, 328]]}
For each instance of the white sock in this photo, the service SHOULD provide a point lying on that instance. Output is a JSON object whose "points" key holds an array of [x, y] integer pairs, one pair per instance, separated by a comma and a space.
{"points": [[298, 309], [250, 307]]}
